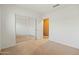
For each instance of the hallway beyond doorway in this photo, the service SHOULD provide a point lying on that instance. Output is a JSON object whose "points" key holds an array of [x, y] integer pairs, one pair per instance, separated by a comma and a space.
{"points": [[46, 27]]}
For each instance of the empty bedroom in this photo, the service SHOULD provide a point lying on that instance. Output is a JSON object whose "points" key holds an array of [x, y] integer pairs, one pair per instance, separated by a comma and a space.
{"points": [[39, 29]]}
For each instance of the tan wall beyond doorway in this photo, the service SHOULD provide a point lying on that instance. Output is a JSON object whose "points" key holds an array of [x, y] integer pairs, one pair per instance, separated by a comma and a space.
{"points": [[46, 27]]}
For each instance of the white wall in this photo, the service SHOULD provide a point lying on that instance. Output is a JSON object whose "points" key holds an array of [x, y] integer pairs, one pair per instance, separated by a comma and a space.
{"points": [[39, 27], [8, 26], [0, 27], [26, 23], [64, 26]]}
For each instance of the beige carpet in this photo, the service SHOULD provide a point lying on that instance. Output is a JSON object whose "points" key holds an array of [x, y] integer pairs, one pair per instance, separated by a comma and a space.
{"points": [[24, 48], [53, 48], [40, 47], [21, 38]]}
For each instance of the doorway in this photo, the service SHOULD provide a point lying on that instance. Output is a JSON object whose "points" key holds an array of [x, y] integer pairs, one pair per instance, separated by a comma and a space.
{"points": [[46, 28], [25, 28]]}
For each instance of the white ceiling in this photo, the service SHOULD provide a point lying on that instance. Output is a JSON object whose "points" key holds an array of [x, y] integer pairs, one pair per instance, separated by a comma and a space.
{"points": [[43, 8], [40, 8]]}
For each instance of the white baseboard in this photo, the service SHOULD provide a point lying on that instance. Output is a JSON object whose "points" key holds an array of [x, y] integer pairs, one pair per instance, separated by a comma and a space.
{"points": [[67, 44]]}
